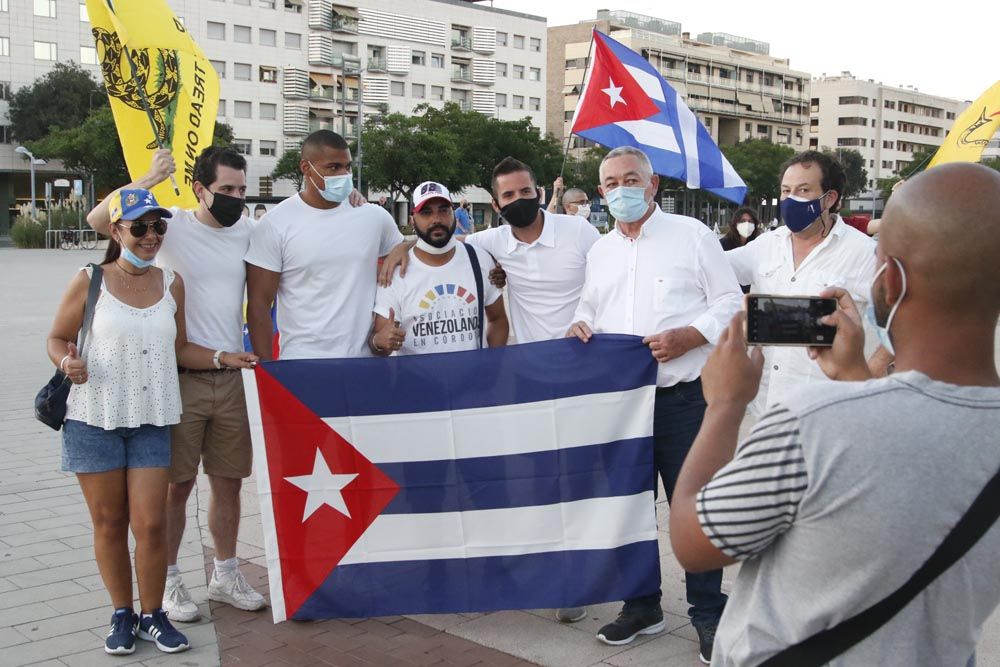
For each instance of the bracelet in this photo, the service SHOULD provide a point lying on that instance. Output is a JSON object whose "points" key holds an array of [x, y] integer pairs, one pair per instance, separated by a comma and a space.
{"points": [[63, 361], [217, 359], [374, 345]]}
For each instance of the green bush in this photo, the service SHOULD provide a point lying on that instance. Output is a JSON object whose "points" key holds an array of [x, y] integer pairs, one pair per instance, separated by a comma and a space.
{"points": [[27, 234]]}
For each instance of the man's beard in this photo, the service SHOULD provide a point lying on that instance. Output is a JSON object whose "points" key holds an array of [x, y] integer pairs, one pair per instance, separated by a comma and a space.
{"points": [[436, 242]]}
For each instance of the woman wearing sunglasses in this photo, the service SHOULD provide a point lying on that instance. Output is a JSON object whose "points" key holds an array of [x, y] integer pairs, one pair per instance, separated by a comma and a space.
{"points": [[124, 397]]}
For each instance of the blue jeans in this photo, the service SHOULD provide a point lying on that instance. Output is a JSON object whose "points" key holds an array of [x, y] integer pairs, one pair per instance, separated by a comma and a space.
{"points": [[677, 416]]}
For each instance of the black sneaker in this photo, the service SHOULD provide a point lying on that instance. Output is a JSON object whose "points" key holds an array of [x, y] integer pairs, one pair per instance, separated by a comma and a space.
{"points": [[156, 628], [121, 636], [631, 624], [706, 638]]}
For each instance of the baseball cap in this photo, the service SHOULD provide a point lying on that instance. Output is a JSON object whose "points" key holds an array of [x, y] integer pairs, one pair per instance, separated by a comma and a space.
{"points": [[429, 190], [133, 203]]}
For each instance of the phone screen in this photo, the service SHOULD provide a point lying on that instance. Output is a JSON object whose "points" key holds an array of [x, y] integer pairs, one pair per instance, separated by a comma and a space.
{"points": [[788, 320]]}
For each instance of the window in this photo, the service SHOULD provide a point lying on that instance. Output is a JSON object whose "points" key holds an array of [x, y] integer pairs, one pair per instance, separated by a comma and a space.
{"points": [[242, 109], [519, 101], [854, 99], [437, 60], [851, 141], [567, 115], [535, 74], [887, 164], [5, 91], [220, 68], [518, 41], [418, 91], [949, 115], [293, 40], [5, 8], [535, 104], [889, 144], [5, 134], [4, 46], [88, 55], [241, 71], [501, 39], [45, 8], [397, 88], [268, 111], [216, 30], [501, 70], [763, 129], [268, 148], [43, 50], [241, 34], [221, 113], [268, 37], [294, 7], [502, 100], [242, 2], [748, 127], [266, 4], [853, 120], [84, 16], [418, 58], [889, 124], [535, 44], [243, 146], [889, 104], [518, 71], [437, 92], [268, 74]]}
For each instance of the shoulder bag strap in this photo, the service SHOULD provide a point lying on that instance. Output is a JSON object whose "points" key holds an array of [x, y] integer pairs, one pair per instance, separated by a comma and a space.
{"points": [[824, 646], [478, 272], [93, 292]]}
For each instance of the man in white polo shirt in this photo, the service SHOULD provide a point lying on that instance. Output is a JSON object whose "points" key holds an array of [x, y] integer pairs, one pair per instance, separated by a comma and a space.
{"points": [[318, 256], [437, 306], [663, 277]]}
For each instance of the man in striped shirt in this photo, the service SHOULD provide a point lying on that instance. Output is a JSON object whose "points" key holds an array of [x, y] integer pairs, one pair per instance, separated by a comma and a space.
{"points": [[839, 495]]}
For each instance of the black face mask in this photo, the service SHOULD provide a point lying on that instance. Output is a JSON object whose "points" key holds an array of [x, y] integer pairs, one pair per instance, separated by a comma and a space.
{"points": [[521, 212], [225, 209]]}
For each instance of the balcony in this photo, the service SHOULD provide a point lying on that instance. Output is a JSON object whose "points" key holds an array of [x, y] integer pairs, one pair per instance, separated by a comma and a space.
{"points": [[345, 24], [464, 105], [461, 75], [461, 43], [376, 65]]}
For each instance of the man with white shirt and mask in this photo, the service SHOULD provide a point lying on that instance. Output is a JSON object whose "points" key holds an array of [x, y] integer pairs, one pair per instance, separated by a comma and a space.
{"points": [[663, 277], [813, 251]]}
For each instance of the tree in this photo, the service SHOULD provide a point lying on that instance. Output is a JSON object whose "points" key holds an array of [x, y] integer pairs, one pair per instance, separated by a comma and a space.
{"points": [[91, 147], [584, 172], [758, 162], [62, 99], [918, 161], [288, 168], [222, 135], [854, 168]]}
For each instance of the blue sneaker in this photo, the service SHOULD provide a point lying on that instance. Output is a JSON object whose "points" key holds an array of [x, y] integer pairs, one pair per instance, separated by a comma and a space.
{"points": [[121, 636], [156, 627]]}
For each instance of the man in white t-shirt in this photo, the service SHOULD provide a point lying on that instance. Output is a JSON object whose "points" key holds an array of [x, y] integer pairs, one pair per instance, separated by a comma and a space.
{"points": [[435, 307], [317, 255], [206, 245]]}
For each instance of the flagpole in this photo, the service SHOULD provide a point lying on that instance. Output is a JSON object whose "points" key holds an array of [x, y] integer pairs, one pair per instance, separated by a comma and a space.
{"points": [[569, 138], [143, 98]]}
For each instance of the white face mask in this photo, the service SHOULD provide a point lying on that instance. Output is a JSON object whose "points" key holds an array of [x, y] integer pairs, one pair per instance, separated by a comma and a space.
{"points": [[883, 332], [745, 229], [583, 210]]}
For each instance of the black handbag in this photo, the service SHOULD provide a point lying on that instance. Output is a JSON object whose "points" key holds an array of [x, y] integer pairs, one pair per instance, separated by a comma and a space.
{"points": [[50, 401]]}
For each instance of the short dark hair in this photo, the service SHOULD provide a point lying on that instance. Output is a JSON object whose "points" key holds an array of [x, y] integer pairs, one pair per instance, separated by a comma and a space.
{"points": [[206, 167], [509, 165], [833, 177], [324, 139]]}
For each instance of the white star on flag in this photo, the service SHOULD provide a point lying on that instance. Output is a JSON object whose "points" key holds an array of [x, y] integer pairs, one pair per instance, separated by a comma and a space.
{"points": [[323, 488], [614, 93]]}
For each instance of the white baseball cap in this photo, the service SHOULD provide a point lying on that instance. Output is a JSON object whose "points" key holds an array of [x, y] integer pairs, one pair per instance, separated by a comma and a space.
{"points": [[429, 190]]}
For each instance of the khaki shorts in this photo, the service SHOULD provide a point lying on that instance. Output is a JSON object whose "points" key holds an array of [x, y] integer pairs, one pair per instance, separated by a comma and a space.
{"points": [[213, 428]]}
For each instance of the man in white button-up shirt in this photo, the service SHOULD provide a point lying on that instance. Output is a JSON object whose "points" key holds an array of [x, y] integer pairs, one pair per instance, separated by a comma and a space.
{"points": [[663, 277], [815, 249]]}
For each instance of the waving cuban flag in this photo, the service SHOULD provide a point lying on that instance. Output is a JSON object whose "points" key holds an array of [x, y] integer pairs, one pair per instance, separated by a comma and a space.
{"points": [[511, 478], [625, 102]]}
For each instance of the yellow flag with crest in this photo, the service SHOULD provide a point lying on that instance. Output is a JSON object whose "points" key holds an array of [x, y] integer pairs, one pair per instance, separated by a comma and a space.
{"points": [[971, 133]]}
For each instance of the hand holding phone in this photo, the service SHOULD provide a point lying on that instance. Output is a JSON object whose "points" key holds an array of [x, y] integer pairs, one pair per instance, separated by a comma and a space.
{"points": [[789, 320], [845, 359]]}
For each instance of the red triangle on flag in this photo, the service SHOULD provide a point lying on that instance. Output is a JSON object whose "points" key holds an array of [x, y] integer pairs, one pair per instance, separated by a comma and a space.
{"points": [[309, 548], [612, 94]]}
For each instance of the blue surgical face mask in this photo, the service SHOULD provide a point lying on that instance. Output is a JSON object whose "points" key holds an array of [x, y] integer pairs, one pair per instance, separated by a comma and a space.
{"points": [[798, 213], [627, 204], [870, 317], [335, 188], [134, 260]]}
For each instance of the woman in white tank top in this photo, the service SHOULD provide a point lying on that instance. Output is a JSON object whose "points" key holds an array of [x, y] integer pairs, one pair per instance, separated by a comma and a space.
{"points": [[124, 397]]}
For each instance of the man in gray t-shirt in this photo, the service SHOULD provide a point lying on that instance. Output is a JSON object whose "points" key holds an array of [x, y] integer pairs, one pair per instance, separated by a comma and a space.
{"points": [[838, 497]]}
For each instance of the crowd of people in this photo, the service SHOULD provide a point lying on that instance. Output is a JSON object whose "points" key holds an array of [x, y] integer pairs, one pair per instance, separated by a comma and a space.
{"points": [[863, 455]]}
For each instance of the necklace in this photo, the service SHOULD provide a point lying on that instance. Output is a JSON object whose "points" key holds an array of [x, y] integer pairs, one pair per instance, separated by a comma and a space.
{"points": [[124, 270], [130, 285]]}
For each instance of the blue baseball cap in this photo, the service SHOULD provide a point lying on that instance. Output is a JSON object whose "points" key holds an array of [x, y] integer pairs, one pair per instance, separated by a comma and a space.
{"points": [[132, 204]]}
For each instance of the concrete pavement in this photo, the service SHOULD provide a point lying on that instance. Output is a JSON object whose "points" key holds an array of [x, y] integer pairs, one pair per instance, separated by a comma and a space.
{"points": [[54, 611]]}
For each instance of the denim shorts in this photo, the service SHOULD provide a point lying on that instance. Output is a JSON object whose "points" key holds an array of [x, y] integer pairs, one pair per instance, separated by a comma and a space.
{"points": [[89, 448]]}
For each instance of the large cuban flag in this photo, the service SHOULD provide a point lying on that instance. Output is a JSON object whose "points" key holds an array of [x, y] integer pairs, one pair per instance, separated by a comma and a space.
{"points": [[509, 478], [625, 102]]}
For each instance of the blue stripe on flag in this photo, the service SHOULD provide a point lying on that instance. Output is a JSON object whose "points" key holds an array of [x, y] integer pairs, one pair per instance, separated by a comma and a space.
{"points": [[530, 581], [622, 468], [460, 380]]}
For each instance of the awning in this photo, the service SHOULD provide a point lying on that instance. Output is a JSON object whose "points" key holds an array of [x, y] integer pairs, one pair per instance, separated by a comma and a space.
{"points": [[571, 90], [697, 89], [323, 79], [723, 94], [752, 100], [318, 112], [348, 12], [295, 2]]}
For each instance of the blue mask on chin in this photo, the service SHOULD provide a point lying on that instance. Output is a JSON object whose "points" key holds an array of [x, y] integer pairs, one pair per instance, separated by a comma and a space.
{"points": [[134, 260]]}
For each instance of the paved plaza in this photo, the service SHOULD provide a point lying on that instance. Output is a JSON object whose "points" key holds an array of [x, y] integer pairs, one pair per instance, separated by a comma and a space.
{"points": [[54, 610]]}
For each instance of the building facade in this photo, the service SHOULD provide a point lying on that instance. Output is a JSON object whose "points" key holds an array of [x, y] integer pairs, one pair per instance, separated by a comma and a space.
{"points": [[289, 67]]}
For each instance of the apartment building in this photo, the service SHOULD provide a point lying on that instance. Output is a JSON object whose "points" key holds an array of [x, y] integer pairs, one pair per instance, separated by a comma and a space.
{"points": [[735, 87], [289, 67], [886, 124]]}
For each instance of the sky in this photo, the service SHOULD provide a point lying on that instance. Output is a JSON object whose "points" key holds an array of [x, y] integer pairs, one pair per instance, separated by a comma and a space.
{"points": [[938, 50]]}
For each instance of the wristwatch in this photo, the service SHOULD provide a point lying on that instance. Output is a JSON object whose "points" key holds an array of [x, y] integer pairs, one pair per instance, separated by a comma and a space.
{"points": [[217, 359]]}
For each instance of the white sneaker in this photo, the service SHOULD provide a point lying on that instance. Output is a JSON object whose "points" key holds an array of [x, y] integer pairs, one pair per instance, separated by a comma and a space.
{"points": [[177, 602], [234, 590]]}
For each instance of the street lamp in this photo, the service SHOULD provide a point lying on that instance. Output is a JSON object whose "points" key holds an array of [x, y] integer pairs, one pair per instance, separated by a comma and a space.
{"points": [[32, 161]]}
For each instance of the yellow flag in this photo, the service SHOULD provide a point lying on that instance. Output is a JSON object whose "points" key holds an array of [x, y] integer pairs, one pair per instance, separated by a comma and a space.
{"points": [[972, 131], [180, 85]]}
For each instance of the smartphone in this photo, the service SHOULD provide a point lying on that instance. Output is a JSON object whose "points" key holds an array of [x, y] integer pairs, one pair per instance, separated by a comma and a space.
{"points": [[789, 320]]}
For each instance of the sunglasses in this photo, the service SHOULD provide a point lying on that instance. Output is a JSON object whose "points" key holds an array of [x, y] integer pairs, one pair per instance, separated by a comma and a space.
{"points": [[140, 229]]}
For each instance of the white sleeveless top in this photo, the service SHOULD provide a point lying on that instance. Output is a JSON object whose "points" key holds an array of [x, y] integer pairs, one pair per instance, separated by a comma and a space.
{"points": [[131, 365]]}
